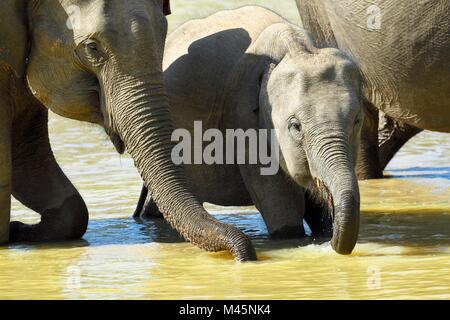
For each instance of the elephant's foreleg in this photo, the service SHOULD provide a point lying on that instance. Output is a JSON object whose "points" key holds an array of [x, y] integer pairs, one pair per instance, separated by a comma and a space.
{"points": [[146, 207], [151, 210], [280, 202], [5, 168], [392, 136], [368, 166], [39, 183], [141, 202]]}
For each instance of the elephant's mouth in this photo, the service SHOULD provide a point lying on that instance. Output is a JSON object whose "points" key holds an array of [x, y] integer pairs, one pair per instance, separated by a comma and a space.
{"points": [[322, 196], [107, 121]]}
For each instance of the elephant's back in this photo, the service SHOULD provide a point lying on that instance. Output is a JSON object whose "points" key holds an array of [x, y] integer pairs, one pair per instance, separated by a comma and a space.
{"points": [[402, 50], [228, 31], [201, 54]]}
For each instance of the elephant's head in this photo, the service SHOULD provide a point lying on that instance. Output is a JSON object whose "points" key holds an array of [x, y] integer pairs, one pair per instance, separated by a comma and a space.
{"points": [[87, 57], [312, 97], [101, 61]]}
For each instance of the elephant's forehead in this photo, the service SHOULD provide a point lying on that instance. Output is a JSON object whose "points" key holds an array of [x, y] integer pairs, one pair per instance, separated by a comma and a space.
{"points": [[86, 17], [105, 17], [66, 20]]}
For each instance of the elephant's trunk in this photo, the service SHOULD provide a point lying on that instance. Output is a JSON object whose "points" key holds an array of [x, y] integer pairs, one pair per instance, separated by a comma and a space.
{"points": [[332, 164], [139, 111]]}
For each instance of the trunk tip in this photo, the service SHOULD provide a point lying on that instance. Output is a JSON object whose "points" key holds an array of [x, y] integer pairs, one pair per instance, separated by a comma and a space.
{"points": [[246, 255], [341, 247], [346, 225], [243, 250]]}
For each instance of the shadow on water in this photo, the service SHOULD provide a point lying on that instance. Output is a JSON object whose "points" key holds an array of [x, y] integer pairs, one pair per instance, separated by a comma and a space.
{"points": [[419, 172], [409, 230], [128, 231]]}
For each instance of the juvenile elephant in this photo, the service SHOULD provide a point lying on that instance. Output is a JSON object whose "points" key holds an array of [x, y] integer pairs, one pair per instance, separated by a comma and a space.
{"points": [[250, 69], [98, 61], [402, 48]]}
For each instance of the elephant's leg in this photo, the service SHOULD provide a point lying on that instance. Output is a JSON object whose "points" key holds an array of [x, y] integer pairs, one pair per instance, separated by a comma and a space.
{"points": [[39, 183], [151, 210], [141, 202], [318, 217], [368, 166], [5, 168], [392, 136], [280, 202], [146, 207]]}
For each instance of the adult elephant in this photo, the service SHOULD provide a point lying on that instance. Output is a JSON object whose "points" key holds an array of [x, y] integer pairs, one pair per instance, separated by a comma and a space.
{"points": [[249, 69], [402, 49], [98, 61]]}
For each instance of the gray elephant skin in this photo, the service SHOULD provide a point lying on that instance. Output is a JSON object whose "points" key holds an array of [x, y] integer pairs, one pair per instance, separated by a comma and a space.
{"points": [[402, 48], [250, 69], [98, 61]]}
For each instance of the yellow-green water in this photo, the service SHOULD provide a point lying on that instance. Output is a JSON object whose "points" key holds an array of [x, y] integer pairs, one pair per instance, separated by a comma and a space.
{"points": [[403, 249]]}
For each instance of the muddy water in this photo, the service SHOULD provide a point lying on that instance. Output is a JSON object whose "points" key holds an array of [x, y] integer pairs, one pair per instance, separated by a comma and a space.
{"points": [[403, 249]]}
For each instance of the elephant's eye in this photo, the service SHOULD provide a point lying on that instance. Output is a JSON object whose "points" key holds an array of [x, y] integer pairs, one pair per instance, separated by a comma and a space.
{"points": [[92, 46], [93, 51], [294, 124], [90, 53], [295, 128]]}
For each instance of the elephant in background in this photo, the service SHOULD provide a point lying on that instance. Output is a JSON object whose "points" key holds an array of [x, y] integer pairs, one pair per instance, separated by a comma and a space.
{"points": [[103, 67], [402, 49], [250, 69]]}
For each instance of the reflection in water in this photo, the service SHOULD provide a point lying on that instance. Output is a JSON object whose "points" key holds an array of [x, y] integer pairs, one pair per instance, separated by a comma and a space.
{"points": [[120, 258], [402, 252]]}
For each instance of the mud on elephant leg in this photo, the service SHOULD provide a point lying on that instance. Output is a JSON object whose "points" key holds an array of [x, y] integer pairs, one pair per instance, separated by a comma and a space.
{"points": [[39, 183], [368, 166], [393, 135]]}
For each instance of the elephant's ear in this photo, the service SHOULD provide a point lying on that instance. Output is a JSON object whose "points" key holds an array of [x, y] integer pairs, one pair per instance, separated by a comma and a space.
{"points": [[165, 5], [240, 97], [13, 36]]}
